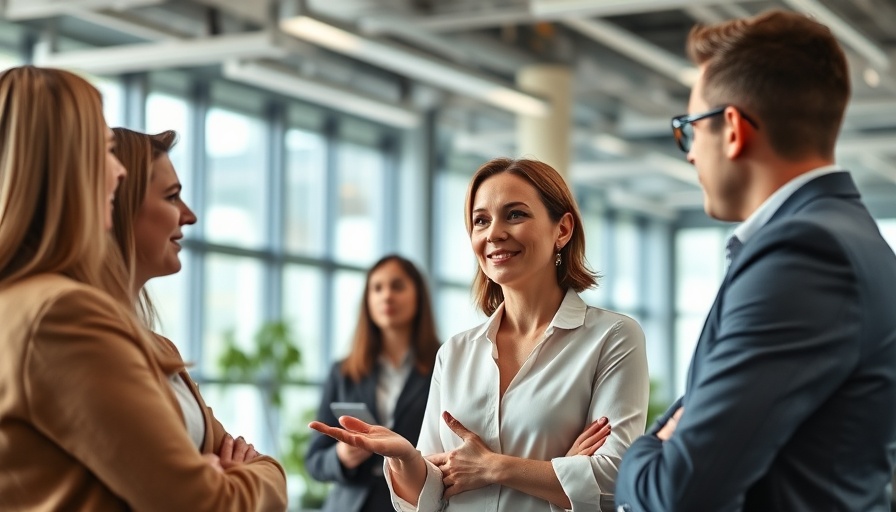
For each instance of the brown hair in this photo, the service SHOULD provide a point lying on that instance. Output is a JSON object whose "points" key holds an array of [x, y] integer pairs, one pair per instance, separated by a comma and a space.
{"points": [[573, 272], [368, 340], [136, 151], [53, 179], [782, 68]]}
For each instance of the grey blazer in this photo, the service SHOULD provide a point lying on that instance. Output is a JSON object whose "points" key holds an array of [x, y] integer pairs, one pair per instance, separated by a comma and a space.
{"points": [[363, 488], [790, 401]]}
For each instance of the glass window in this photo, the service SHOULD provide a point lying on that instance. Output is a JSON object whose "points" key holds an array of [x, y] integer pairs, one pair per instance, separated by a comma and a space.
{"points": [[305, 204], [303, 310], [454, 257], [888, 230], [360, 221], [240, 408], [167, 112], [699, 269], [300, 405], [348, 288], [624, 281], [235, 145], [233, 301], [8, 59], [456, 312], [593, 223], [113, 100], [170, 296]]}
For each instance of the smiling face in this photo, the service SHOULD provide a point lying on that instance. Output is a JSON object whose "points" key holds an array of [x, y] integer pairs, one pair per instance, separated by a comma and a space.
{"points": [[157, 227], [513, 236], [391, 297], [115, 172]]}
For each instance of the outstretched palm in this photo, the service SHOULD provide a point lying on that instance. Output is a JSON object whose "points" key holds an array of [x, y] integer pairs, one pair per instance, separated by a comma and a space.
{"points": [[372, 438]]}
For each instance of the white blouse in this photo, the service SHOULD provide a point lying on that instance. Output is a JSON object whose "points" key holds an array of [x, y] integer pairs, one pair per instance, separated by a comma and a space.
{"points": [[389, 385], [590, 363], [193, 418]]}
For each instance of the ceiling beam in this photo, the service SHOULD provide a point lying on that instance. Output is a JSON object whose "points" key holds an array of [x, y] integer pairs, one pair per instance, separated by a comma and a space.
{"points": [[166, 54], [288, 82], [625, 200], [554, 9], [843, 30], [414, 64], [636, 48], [31, 9], [125, 24]]}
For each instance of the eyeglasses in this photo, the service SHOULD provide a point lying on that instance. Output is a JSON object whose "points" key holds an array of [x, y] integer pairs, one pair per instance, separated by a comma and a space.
{"points": [[683, 129]]}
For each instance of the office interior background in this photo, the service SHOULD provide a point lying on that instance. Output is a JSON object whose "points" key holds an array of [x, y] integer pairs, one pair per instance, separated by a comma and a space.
{"points": [[317, 136]]}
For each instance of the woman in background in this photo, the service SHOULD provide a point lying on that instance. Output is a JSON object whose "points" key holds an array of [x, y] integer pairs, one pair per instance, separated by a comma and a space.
{"points": [[508, 397], [88, 420], [147, 223], [389, 370]]}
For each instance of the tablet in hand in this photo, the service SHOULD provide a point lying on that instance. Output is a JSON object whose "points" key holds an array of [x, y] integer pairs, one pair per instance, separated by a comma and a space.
{"points": [[357, 409]]}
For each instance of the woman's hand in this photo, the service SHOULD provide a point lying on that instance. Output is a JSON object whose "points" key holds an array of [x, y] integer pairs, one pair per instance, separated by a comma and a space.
{"points": [[372, 438], [593, 437], [467, 467], [235, 451], [351, 457], [214, 461]]}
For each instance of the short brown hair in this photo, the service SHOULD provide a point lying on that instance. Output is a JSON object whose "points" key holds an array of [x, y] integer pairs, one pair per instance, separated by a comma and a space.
{"points": [[368, 341], [573, 272], [136, 151], [784, 69]]}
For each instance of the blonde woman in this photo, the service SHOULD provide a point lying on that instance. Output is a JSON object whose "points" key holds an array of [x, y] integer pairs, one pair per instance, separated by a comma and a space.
{"points": [[148, 219], [88, 419]]}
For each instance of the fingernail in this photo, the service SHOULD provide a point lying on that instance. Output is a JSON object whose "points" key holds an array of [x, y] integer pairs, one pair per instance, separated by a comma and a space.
{"points": [[603, 420]]}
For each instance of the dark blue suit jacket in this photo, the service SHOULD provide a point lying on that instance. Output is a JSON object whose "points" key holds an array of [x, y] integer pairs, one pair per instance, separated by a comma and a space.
{"points": [[790, 401], [354, 487]]}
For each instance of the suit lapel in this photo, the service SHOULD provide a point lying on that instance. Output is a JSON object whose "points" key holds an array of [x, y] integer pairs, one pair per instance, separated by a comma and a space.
{"points": [[368, 389], [416, 384], [838, 184]]}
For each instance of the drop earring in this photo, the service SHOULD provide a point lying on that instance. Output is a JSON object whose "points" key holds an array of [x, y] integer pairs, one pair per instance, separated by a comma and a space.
{"points": [[557, 260]]}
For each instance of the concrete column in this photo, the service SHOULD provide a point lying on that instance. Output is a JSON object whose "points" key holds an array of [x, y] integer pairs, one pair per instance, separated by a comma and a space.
{"points": [[547, 138]]}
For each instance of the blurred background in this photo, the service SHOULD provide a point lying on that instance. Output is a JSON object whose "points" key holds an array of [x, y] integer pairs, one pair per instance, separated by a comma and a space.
{"points": [[317, 136]]}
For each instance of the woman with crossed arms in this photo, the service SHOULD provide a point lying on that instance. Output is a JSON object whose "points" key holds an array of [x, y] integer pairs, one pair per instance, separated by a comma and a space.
{"points": [[147, 223], [509, 397], [88, 417]]}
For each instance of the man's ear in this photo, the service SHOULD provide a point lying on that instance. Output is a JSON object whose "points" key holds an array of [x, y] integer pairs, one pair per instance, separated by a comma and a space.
{"points": [[738, 133]]}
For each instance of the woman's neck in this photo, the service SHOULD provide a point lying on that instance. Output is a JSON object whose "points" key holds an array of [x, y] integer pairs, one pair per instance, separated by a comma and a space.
{"points": [[136, 288], [532, 309], [396, 342]]}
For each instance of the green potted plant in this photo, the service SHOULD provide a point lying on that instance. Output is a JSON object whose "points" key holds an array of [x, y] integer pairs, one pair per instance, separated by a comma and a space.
{"points": [[272, 363]]}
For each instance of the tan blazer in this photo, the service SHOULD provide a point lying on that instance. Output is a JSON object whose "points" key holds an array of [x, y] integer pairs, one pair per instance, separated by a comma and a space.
{"points": [[88, 420], [214, 431]]}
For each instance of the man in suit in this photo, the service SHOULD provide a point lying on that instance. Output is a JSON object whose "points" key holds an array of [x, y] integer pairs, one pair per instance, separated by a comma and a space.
{"points": [[791, 392]]}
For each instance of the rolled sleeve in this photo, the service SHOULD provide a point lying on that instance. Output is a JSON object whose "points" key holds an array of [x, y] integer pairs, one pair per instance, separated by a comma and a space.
{"points": [[430, 499], [583, 493]]}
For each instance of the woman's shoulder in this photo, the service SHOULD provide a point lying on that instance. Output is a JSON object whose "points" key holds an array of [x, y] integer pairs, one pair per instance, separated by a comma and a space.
{"points": [[44, 293], [469, 335], [600, 318]]}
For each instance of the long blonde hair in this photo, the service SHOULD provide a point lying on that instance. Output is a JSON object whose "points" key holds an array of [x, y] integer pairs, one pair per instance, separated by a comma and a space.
{"points": [[52, 178]]}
